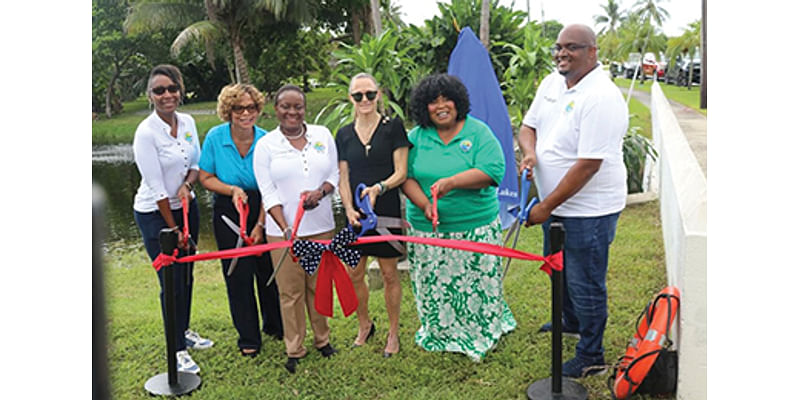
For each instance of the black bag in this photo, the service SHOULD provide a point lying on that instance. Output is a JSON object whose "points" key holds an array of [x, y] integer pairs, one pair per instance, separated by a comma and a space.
{"points": [[663, 375]]}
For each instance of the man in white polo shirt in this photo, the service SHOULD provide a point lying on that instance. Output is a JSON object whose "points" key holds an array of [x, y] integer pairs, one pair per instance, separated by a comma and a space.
{"points": [[571, 138]]}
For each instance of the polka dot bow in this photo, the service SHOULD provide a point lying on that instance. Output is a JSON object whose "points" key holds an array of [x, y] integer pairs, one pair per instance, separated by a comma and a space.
{"points": [[310, 253]]}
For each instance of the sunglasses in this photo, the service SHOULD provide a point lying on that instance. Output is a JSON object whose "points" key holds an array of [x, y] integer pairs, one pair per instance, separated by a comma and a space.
{"points": [[239, 109], [571, 47], [358, 96], [159, 90]]}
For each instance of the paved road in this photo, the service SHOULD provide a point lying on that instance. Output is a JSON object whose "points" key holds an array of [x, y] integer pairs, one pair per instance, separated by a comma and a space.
{"points": [[691, 122]]}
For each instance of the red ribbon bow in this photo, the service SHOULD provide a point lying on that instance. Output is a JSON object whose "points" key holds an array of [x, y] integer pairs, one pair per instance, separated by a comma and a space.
{"points": [[332, 271]]}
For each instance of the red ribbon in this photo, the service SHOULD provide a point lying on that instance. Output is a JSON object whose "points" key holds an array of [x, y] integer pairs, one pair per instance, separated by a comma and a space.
{"points": [[332, 271], [163, 260]]}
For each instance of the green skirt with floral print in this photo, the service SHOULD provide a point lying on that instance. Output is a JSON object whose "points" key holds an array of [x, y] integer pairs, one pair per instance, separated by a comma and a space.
{"points": [[459, 294]]}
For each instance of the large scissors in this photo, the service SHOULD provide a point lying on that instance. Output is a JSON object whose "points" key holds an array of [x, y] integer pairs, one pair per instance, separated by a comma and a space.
{"points": [[297, 216], [239, 230], [520, 213], [373, 221]]}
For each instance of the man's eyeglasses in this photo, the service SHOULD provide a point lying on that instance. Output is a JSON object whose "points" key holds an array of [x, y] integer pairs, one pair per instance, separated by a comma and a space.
{"points": [[159, 90], [239, 109], [357, 96], [571, 47]]}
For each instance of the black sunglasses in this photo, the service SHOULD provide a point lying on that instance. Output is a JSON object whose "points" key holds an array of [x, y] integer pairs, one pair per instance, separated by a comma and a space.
{"points": [[357, 96], [159, 90], [239, 109]]}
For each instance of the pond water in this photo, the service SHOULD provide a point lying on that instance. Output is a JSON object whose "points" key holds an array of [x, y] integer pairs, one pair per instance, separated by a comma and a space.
{"points": [[114, 170]]}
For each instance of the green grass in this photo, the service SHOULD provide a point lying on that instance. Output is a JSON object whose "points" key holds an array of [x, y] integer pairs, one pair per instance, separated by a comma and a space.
{"points": [[121, 128], [689, 98], [136, 340]]}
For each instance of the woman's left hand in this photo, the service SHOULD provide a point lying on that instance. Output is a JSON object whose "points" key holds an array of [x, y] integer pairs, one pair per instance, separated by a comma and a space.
{"points": [[445, 185], [257, 234], [312, 198], [373, 191], [184, 192]]}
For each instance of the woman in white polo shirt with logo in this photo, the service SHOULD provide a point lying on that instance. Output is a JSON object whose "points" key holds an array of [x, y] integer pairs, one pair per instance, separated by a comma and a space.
{"points": [[293, 160], [166, 150]]}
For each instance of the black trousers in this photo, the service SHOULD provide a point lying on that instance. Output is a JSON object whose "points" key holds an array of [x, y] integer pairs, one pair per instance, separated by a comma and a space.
{"points": [[150, 225], [241, 292]]}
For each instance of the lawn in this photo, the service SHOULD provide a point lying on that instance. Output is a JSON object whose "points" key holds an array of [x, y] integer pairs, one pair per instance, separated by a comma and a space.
{"points": [[120, 128], [136, 340], [680, 94]]}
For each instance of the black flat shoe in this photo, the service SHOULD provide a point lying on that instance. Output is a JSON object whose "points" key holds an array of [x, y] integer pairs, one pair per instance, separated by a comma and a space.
{"points": [[369, 335], [327, 350], [291, 364]]}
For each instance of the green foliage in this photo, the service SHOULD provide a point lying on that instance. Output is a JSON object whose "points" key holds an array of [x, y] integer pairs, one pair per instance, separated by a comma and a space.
{"points": [[635, 150], [527, 66], [136, 340], [384, 57]]}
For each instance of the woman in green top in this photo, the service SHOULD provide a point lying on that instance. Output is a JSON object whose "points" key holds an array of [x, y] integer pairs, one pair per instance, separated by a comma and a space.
{"points": [[459, 294]]}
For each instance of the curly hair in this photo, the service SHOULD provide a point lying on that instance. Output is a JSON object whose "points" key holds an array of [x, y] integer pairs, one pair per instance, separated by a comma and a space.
{"points": [[230, 96], [430, 88]]}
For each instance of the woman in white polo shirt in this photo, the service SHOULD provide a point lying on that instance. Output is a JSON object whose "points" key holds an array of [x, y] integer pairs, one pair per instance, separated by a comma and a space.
{"points": [[293, 160], [166, 150]]}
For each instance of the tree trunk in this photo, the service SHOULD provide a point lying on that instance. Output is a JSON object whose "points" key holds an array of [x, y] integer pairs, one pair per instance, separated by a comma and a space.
{"points": [[110, 90], [484, 30], [355, 25], [242, 73], [377, 27]]}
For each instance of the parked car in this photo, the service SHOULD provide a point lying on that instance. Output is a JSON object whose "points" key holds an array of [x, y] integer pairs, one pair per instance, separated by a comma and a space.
{"points": [[679, 73], [616, 69], [634, 60]]}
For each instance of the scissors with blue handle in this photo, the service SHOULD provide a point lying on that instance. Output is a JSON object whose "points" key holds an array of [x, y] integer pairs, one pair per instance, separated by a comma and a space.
{"points": [[520, 213], [373, 221]]}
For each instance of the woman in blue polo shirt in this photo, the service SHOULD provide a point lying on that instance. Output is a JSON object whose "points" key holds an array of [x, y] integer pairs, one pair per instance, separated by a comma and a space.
{"points": [[459, 294], [226, 169]]}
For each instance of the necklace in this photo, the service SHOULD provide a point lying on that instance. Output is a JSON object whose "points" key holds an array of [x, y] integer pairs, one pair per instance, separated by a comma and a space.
{"points": [[370, 131], [298, 136]]}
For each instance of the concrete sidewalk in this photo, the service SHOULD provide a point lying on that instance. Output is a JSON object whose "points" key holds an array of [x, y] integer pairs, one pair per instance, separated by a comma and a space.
{"points": [[691, 122]]}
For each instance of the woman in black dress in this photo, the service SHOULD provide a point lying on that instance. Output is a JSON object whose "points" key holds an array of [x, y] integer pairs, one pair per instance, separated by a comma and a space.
{"points": [[373, 150]]}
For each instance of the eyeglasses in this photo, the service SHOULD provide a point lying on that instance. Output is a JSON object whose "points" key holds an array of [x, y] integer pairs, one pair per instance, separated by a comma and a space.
{"points": [[240, 109], [357, 96], [159, 90], [571, 47]]}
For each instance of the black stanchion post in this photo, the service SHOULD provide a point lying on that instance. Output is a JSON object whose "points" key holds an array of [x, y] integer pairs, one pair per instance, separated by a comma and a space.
{"points": [[173, 382], [556, 387]]}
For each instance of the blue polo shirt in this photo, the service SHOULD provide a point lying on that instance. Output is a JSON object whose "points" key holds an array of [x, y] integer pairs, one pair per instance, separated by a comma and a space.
{"points": [[221, 158]]}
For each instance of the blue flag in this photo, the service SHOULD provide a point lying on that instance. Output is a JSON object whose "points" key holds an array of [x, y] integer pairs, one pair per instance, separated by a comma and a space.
{"points": [[470, 62]]}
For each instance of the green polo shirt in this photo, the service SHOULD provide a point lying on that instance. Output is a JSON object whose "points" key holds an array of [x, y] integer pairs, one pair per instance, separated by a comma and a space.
{"points": [[429, 160]]}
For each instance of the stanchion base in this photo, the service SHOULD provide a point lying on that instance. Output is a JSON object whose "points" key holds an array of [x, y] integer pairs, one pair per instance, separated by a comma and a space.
{"points": [[159, 384], [570, 390]]}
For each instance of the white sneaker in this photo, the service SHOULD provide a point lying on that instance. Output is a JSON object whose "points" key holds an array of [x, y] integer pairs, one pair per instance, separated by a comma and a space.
{"points": [[194, 341], [185, 362]]}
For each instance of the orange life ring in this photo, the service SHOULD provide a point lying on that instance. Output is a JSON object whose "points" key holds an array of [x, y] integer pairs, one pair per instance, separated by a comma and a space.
{"points": [[650, 338]]}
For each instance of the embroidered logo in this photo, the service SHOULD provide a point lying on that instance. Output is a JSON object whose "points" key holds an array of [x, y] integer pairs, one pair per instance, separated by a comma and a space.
{"points": [[188, 136], [319, 146], [465, 145], [570, 106]]}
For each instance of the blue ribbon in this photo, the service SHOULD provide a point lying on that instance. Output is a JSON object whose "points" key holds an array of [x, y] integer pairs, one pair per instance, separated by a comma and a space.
{"points": [[310, 253]]}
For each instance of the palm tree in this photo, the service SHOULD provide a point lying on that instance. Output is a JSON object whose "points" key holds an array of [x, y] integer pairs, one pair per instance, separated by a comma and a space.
{"points": [[645, 11], [213, 21], [611, 18], [686, 43], [484, 27]]}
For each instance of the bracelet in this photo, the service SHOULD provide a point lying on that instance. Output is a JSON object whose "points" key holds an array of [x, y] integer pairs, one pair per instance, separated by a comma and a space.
{"points": [[261, 224], [188, 185], [174, 228], [232, 189], [322, 189], [287, 233], [383, 188]]}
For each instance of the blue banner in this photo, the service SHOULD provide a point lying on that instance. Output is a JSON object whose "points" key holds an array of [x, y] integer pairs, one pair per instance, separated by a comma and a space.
{"points": [[470, 62]]}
